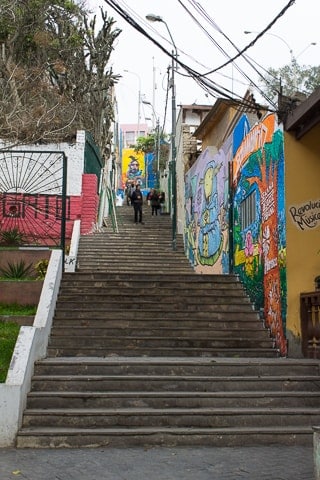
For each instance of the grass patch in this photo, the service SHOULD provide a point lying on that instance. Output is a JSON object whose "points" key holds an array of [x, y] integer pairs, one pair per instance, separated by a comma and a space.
{"points": [[14, 309], [8, 336]]}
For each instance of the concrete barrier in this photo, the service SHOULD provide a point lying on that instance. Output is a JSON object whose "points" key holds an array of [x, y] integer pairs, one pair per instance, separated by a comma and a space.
{"points": [[31, 345], [70, 262]]}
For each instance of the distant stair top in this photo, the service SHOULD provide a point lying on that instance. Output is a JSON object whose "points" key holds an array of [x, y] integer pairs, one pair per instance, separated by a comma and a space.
{"points": [[142, 248]]}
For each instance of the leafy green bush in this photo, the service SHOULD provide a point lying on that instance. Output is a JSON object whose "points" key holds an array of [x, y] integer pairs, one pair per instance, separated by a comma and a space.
{"points": [[11, 237], [41, 267], [16, 270], [8, 336]]}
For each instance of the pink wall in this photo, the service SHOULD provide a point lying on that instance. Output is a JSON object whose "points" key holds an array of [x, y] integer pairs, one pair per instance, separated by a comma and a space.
{"points": [[90, 202], [38, 217]]}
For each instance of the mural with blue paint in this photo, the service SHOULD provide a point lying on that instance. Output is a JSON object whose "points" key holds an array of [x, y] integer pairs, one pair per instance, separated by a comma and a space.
{"points": [[151, 174], [206, 232], [247, 173], [259, 233]]}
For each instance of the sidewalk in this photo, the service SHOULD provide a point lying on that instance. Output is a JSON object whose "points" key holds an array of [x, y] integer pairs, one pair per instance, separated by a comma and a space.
{"points": [[176, 463]]}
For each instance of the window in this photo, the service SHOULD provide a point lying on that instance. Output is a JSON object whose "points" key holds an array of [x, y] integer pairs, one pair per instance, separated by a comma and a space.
{"points": [[129, 138], [248, 210]]}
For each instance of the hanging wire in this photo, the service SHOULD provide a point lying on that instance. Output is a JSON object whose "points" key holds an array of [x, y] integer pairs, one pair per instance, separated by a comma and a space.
{"points": [[211, 87]]}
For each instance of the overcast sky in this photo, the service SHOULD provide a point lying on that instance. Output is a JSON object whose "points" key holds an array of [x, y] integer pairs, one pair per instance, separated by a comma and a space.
{"points": [[225, 23]]}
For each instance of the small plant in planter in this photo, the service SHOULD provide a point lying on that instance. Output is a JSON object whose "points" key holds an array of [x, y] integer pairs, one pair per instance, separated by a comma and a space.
{"points": [[11, 238], [41, 268], [16, 271]]}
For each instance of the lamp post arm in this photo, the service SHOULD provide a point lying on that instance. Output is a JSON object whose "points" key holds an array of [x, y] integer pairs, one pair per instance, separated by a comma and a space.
{"points": [[173, 158]]}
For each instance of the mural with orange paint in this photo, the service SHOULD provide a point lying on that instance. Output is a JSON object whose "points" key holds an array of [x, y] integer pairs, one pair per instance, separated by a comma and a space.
{"points": [[246, 200], [260, 243], [133, 167]]}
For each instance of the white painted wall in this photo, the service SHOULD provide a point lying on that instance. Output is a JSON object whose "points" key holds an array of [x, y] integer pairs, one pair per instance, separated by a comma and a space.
{"points": [[31, 345], [70, 261], [75, 158]]}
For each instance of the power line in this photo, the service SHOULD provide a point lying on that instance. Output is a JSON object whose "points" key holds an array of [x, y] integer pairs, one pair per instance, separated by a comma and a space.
{"points": [[208, 85], [250, 61]]}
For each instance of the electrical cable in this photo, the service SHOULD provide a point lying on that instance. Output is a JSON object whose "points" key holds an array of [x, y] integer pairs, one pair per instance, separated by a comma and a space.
{"points": [[211, 22], [201, 79]]}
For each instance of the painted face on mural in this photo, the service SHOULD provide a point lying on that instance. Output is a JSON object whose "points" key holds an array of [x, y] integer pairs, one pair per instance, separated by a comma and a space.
{"points": [[133, 167]]}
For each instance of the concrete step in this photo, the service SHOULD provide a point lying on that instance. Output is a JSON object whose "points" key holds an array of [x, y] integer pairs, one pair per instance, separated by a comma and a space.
{"points": [[178, 366], [188, 399], [172, 279], [155, 332], [55, 437], [126, 268], [220, 324], [186, 351], [173, 383], [151, 309], [149, 296], [233, 314], [144, 341], [171, 417]]}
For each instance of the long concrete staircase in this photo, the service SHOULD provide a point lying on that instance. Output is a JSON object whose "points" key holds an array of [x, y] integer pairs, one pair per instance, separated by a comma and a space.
{"points": [[145, 352]]}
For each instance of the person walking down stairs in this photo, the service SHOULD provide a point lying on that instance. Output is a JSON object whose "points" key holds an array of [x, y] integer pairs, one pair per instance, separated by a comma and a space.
{"points": [[137, 202], [155, 205]]}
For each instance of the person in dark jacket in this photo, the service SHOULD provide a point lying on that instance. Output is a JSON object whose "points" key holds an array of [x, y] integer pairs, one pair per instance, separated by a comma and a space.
{"points": [[137, 202], [154, 203], [162, 199]]}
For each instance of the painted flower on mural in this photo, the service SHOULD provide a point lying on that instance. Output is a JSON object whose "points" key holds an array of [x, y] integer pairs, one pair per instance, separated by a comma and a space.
{"points": [[249, 250], [282, 258]]}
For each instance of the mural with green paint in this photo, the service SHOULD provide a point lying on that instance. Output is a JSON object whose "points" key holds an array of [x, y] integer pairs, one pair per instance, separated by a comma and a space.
{"points": [[259, 223]]}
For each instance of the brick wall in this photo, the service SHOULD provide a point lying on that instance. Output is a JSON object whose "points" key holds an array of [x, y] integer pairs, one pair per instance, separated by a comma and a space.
{"points": [[90, 202]]}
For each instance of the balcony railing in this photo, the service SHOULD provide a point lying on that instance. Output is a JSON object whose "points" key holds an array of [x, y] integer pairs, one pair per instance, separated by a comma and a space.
{"points": [[310, 323]]}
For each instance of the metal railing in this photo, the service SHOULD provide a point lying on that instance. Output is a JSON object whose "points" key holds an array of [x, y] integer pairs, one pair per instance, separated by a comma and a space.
{"points": [[112, 210], [310, 323]]}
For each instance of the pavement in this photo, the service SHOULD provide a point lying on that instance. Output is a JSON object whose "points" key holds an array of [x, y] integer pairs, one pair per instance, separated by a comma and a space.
{"points": [[159, 463]]}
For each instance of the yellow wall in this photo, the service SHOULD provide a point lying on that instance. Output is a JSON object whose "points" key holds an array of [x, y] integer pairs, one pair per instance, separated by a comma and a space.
{"points": [[302, 174]]}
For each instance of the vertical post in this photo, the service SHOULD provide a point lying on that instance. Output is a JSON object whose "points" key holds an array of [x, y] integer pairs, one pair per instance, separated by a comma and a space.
{"points": [[139, 111], [63, 207], [157, 139], [231, 216], [154, 86], [173, 157]]}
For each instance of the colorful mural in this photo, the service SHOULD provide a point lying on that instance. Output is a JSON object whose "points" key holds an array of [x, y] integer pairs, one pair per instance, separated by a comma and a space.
{"points": [[133, 167], [206, 231], [240, 189], [259, 246]]}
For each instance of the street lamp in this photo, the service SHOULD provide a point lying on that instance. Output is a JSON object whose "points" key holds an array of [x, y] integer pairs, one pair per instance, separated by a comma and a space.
{"points": [[293, 57], [139, 101], [305, 48], [155, 18]]}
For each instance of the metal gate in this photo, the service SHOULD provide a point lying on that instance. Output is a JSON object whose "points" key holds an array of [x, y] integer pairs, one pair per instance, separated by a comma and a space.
{"points": [[33, 201]]}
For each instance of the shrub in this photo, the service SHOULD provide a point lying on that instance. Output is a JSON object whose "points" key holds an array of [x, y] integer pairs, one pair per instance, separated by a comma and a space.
{"points": [[12, 237], [41, 268], [16, 270]]}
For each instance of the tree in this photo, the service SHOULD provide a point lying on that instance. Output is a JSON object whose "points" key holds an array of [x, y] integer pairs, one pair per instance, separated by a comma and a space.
{"points": [[54, 75], [149, 144], [293, 78]]}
